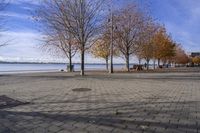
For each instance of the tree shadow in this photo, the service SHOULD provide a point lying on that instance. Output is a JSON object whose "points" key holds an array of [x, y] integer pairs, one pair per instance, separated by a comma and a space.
{"points": [[7, 102], [147, 117]]}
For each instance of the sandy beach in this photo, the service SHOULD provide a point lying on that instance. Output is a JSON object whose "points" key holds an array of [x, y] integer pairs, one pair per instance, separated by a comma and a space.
{"points": [[99, 102]]}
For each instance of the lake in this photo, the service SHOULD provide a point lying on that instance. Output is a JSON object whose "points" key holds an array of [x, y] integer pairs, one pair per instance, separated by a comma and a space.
{"points": [[22, 68]]}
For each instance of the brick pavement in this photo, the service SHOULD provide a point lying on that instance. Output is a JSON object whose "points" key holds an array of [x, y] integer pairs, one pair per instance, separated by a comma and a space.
{"points": [[119, 103]]}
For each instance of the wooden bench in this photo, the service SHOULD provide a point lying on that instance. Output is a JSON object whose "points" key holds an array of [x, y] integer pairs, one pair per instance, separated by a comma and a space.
{"points": [[137, 67]]}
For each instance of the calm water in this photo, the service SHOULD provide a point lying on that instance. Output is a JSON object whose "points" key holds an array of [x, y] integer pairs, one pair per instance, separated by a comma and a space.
{"points": [[18, 68]]}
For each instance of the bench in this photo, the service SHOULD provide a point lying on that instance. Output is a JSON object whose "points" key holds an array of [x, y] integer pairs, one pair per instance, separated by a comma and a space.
{"points": [[137, 67]]}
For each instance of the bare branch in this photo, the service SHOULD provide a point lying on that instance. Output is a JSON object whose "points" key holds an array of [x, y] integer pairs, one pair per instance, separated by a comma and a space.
{"points": [[73, 20]]}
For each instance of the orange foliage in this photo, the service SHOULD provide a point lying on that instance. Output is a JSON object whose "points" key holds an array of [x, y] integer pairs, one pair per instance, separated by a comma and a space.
{"points": [[164, 47], [196, 60], [181, 57]]}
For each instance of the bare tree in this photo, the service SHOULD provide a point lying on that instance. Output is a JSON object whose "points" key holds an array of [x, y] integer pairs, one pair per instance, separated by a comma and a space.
{"points": [[80, 18], [146, 47], [58, 40], [128, 22], [61, 45]]}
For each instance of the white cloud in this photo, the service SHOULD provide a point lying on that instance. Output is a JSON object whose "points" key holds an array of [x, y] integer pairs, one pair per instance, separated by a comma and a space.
{"points": [[35, 2], [25, 46], [24, 35], [22, 44], [16, 15]]}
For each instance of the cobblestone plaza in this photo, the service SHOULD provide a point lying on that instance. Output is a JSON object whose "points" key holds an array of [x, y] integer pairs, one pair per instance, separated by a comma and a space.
{"points": [[100, 103]]}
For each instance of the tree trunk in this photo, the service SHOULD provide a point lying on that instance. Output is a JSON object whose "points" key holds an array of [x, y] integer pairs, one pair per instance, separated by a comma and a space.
{"points": [[139, 59], [127, 63], [164, 64], [148, 64], [82, 62], [154, 64], [70, 62], [107, 63], [158, 62]]}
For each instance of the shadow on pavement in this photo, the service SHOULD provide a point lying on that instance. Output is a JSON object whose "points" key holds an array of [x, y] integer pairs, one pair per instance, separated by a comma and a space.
{"points": [[130, 117]]}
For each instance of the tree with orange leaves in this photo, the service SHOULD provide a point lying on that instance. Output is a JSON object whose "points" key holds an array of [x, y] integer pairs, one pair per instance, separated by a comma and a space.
{"points": [[196, 60], [164, 47], [101, 49], [181, 57]]}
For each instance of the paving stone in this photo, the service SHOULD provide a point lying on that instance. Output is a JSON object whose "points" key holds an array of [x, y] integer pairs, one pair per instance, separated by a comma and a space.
{"points": [[128, 103]]}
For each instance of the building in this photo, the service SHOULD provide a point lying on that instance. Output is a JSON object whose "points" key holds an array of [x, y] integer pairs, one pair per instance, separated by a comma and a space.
{"points": [[194, 54]]}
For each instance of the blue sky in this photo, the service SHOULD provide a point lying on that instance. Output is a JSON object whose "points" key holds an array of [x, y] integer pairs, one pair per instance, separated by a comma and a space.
{"points": [[181, 18]]}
